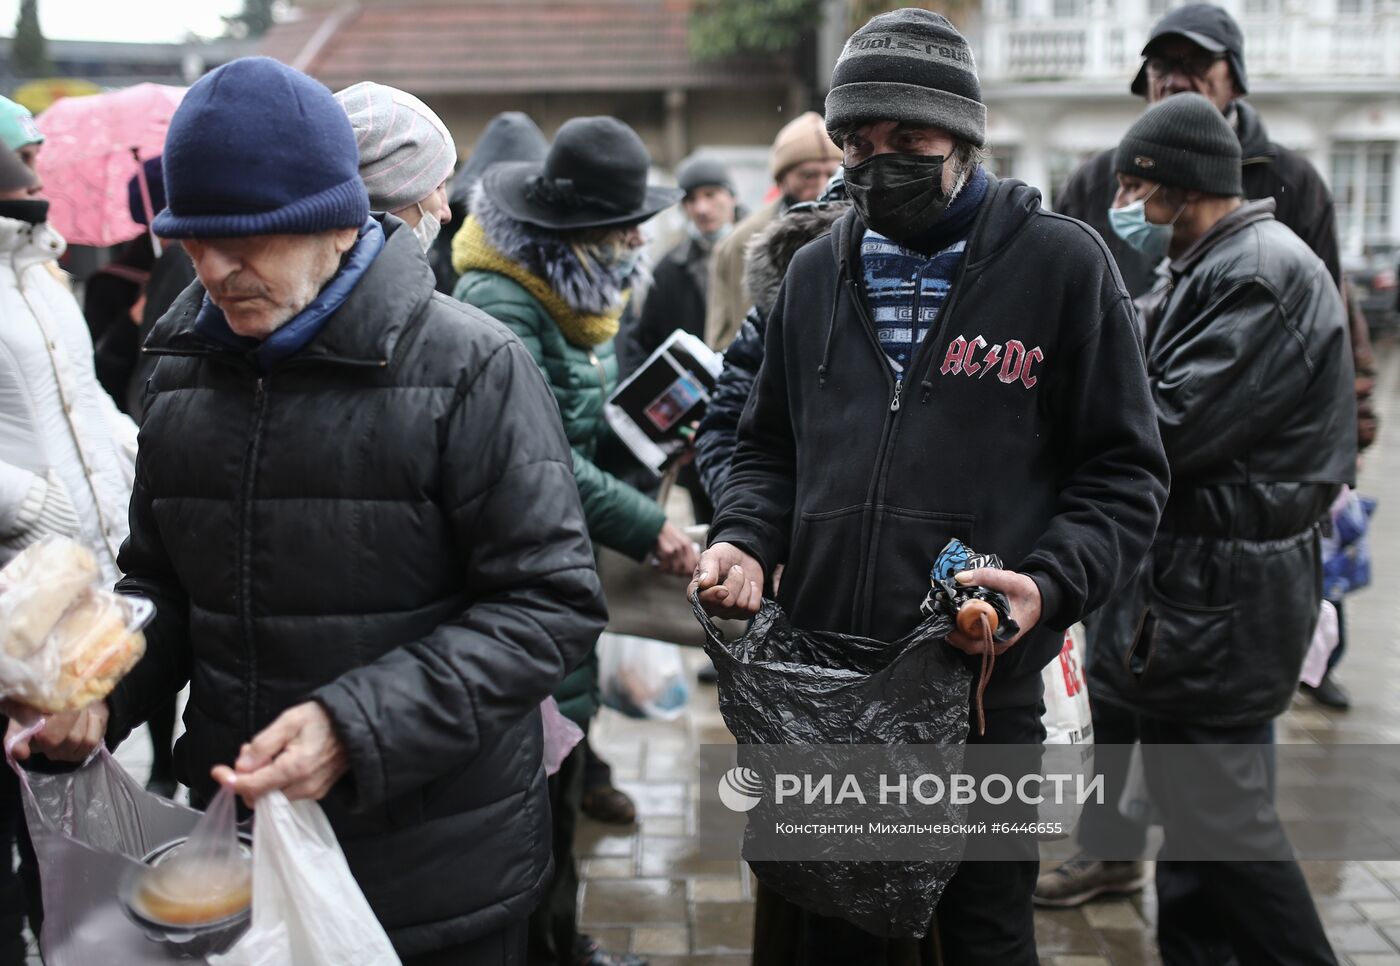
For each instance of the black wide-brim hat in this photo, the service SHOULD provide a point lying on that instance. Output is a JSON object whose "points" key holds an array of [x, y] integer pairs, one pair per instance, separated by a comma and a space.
{"points": [[595, 176]]}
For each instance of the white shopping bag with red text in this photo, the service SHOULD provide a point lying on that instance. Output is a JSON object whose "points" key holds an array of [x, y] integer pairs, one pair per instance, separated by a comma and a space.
{"points": [[1066, 719]]}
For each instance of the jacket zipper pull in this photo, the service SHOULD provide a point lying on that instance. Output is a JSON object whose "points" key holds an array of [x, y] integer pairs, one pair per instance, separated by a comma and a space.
{"points": [[898, 390]]}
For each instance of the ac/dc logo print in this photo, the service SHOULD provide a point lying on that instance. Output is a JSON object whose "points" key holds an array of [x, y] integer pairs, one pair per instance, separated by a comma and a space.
{"points": [[1012, 362]]}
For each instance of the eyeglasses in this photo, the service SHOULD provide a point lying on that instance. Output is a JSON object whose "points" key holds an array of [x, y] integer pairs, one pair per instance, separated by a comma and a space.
{"points": [[1192, 65]]}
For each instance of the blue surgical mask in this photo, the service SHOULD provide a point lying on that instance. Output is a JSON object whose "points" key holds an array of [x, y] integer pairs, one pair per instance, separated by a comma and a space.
{"points": [[1130, 224], [619, 259]]}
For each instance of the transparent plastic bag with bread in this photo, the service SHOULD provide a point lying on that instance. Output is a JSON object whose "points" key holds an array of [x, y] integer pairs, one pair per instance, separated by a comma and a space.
{"points": [[65, 641]]}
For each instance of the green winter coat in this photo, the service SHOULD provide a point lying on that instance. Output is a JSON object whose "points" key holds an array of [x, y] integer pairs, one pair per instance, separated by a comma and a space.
{"points": [[619, 517]]}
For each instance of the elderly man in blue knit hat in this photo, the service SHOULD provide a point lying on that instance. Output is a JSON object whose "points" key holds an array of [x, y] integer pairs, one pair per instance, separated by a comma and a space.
{"points": [[355, 512]]}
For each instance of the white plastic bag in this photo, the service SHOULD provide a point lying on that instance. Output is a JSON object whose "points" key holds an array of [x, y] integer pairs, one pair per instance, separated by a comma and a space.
{"points": [[1324, 642], [642, 678], [307, 908], [1067, 719], [560, 735]]}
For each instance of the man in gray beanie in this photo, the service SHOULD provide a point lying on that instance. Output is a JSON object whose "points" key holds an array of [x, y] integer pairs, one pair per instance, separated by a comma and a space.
{"points": [[1206, 643], [952, 361], [680, 285], [406, 156]]}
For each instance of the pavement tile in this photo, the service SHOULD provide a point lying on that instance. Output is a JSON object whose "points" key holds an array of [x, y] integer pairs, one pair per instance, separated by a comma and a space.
{"points": [[598, 839], [1338, 912], [680, 857], [1358, 937], [633, 901], [1112, 915], [613, 939], [1380, 913], [717, 890], [663, 825], [661, 940], [611, 868], [1063, 931], [723, 927], [665, 798], [1130, 947]]}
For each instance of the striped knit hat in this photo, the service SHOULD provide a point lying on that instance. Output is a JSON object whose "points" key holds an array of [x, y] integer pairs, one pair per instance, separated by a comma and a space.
{"points": [[405, 149]]}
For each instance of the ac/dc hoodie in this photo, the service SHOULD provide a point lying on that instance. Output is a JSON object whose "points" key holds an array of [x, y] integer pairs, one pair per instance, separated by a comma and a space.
{"points": [[1024, 426]]}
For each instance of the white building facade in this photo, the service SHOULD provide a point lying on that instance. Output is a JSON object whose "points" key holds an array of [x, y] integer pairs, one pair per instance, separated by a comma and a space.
{"points": [[1324, 74]]}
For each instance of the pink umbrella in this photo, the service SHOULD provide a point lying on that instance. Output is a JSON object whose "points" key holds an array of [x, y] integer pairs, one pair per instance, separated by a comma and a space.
{"points": [[91, 149]]}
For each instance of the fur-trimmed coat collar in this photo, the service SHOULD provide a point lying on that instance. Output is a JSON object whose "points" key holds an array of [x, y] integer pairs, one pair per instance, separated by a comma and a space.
{"points": [[589, 288]]}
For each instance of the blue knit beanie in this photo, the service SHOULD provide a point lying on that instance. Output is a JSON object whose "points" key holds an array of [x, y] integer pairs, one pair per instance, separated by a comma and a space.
{"points": [[257, 148]]}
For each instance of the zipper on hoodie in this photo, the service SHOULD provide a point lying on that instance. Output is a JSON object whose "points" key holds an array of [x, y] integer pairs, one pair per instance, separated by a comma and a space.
{"points": [[245, 553], [876, 497]]}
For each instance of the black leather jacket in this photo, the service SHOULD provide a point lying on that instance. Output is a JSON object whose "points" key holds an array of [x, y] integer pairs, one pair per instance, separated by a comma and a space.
{"points": [[1247, 357]]}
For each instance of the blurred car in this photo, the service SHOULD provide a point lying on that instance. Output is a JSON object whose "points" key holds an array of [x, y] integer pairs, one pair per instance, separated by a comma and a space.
{"points": [[1375, 277]]}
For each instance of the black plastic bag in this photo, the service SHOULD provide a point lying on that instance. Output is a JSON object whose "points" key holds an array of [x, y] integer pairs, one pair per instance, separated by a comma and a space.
{"points": [[779, 685]]}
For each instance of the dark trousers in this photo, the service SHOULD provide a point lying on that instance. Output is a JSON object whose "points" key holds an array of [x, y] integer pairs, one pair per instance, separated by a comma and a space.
{"points": [[1105, 832], [597, 773], [20, 897], [504, 948], [553, 927], [162, 727], [985, 917], [1259, 912]]}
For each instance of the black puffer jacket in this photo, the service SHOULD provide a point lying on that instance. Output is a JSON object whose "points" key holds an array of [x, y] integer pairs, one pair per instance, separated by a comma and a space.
{"points": [[1270, 171], [1253, 386], [766, 260], [719, 430], [386, 523]]}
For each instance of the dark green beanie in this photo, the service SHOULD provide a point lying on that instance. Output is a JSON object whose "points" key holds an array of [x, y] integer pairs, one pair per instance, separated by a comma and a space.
{"points": [[1183, 141]]}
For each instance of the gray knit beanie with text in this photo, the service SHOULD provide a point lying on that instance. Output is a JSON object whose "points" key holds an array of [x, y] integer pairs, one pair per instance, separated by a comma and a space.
{"points": [[912, 66]]}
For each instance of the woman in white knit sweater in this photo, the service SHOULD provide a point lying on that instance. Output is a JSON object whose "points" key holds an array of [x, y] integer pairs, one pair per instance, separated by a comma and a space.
{"points": [[67, 455]]}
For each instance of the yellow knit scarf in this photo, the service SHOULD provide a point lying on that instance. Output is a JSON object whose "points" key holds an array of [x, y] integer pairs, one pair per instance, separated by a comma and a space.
{"points": [[471, 251]]}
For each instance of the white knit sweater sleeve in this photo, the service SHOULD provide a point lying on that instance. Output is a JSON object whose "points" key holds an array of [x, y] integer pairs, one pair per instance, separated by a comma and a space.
{"points": [[21, 498]]}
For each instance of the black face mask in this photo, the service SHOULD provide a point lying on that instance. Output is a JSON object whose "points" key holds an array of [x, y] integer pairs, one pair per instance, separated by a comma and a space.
{"points": [[29, 212], [899, 195]]}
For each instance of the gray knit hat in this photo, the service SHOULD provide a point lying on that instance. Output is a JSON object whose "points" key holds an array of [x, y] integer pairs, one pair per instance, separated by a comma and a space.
{"points": [[910, 65], [405, 149], [1183, 141], [701, 171]]}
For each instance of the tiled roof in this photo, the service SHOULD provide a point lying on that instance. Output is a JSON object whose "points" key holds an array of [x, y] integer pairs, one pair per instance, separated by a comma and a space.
{"points": [[519, 46]]}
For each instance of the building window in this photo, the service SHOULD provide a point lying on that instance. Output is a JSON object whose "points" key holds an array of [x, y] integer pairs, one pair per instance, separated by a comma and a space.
{"points": [[1060, 164], [1013, 9], [1362, 182], [1002, 161], [1261, 8], [1158, 7], [1353, 8], [1068, 9]]}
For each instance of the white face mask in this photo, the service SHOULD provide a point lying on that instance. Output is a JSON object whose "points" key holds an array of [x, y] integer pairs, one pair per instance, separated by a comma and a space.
{"points": [[427, 229]]}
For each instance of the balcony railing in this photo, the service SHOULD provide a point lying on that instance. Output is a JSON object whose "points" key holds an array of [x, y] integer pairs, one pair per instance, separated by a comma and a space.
{"points": [[1291, 45]]}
